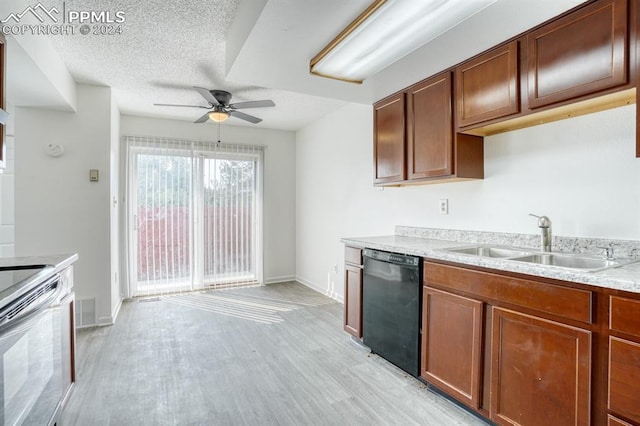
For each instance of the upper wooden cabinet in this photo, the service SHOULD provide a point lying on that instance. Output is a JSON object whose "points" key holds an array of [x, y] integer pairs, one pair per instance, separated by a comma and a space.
{"points": [[579, 54], [389, 139], [414, 140], [487, 87], [430, 129], [584, 61]]}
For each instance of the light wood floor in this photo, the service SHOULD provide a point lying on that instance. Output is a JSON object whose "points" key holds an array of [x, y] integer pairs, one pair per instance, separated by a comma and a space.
{"points": [[273, 355]]}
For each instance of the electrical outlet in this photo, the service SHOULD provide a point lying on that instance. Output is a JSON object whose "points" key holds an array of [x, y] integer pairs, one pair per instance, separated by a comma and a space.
{"points": [[444, 206], [335, 268]]}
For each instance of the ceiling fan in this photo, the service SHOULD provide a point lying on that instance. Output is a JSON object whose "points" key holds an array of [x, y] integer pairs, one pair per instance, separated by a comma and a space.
{"points": [[221, 109]]}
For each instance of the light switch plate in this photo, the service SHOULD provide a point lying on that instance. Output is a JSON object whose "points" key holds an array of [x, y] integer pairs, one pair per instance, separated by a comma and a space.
{"points": [[94, 175]]}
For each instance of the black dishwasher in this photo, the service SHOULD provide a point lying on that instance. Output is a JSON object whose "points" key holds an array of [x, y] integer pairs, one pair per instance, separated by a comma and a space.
{"points": [[391, 301]]}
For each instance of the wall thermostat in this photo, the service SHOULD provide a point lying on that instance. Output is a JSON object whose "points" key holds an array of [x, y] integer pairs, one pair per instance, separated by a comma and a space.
{"points": [[94, 175]]}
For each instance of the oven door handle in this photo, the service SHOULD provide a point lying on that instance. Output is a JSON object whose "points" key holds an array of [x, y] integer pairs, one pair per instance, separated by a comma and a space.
{"points": [[42, 303]]}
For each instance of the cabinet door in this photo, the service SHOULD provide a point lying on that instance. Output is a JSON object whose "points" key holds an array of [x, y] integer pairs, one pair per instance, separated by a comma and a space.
{"points": [[582, 53], [613, 421], [487, 87], [353, 300], [624, 378], [430, 128], [540, 372], [451, 344], [389, 140]]}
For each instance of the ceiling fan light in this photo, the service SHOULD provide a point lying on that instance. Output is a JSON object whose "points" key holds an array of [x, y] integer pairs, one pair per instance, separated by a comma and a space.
{"points": [[218, 116]]}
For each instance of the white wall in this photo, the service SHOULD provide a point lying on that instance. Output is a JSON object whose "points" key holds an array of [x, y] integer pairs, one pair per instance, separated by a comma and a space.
{"points": [[114, 212], [580, 172], [57, 208], [279, 180], [7, 190]]}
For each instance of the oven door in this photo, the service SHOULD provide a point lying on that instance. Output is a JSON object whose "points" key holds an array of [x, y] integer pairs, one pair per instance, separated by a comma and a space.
{"points": [[30, 367]]}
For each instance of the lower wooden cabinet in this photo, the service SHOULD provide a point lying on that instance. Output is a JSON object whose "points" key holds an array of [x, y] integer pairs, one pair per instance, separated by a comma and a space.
{"points": [[624, 378], [623, 390], [353, 300], [541, 371], [353, 291], [452, 344], [613, 421], [484, 344]]}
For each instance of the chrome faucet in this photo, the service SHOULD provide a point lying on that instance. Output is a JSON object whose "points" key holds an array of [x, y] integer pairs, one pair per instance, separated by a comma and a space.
{"points": [[608, 252], [544, 223]]}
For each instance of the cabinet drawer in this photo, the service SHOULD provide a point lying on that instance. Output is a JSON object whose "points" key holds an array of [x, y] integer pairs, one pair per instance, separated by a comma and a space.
{"points": [[353, 255], [624, 378], [578, 55], [624, 315], [557, 300]]}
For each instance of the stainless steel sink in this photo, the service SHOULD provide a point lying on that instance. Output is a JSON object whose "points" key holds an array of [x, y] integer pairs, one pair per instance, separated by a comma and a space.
{"points": [[570, 261], [490, 251], [575, 262]]}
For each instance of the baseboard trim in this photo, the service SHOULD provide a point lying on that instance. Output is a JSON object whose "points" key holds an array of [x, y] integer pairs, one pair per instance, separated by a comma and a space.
{"points": [[310, 284], [110, 320], [102, 321], [116, 311], [283, 279], [307, 283]]}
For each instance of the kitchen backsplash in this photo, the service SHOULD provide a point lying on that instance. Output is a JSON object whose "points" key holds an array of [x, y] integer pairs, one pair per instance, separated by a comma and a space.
{"points": [[622, 248]]}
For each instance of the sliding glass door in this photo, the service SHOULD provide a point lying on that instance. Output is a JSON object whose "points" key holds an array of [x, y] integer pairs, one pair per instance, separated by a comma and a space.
{"points": [[228, 215], [195, 216]]}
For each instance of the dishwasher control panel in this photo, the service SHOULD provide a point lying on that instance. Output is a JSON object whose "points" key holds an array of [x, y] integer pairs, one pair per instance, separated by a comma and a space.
{"points": [[397, 258]]}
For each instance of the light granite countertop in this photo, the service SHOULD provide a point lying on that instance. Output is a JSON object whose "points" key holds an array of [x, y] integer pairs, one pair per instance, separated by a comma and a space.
{"points": [[625, 277]]}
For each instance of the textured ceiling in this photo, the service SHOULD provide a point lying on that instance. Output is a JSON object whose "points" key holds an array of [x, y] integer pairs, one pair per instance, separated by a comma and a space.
{"points": [[166, 48], [258, 49]]}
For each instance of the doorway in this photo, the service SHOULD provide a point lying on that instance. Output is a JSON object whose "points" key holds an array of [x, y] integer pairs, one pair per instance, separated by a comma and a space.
{"points": [[194, 215]]}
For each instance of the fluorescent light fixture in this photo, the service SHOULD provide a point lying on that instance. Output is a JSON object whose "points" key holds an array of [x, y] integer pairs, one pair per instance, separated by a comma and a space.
{"points": [[218, 114], [387, 31]]}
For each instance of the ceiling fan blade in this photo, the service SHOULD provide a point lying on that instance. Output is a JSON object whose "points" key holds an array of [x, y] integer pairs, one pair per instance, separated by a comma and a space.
{"points": [[188, 106], [206, 94], [253, 104], [203, 118], [246, 117]]}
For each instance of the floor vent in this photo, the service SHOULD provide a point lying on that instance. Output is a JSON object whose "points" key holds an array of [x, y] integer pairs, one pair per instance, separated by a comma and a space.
{"points": [[86, 313]]}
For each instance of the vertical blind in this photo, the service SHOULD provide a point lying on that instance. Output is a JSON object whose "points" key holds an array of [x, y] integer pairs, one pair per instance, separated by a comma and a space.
{"points": [[195, 215]]}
